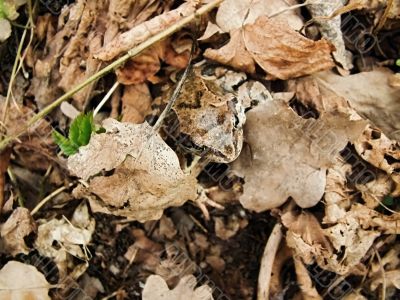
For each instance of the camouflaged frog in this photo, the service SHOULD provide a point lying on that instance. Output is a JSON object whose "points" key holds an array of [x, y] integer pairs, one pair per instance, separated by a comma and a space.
{"points": [[211, 109]]}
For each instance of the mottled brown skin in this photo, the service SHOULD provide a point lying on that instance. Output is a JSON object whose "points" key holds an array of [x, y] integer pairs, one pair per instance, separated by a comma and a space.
{"points": [[202, 107]]}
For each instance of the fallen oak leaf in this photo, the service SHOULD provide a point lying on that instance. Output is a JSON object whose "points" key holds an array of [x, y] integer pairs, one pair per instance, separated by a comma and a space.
{"points": [[233, 14], [280, 51], [289, 155], [146, 178], [22, 281], [157, 289]]}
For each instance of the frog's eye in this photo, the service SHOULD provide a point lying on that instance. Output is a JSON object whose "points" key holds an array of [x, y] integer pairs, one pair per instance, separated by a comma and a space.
{"points": [[208, 70]]}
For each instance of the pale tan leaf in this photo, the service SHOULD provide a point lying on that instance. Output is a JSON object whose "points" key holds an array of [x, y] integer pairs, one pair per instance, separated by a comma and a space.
{"points": [[288, 158], [371, 95], [61, 239], [157, 289], [234, 14], [146, 178], [22, 281]]}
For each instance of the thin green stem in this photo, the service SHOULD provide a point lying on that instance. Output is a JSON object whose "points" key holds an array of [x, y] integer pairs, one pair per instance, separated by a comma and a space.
{"points": [[131, 53]]}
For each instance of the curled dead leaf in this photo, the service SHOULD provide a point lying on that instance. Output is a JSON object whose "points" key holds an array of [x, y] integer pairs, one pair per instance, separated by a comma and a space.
{"points": [[280, 51], [146, 177], [19, 225], [62, 239]]}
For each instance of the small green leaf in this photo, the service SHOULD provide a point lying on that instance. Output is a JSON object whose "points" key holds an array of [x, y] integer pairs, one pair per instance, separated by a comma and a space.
{"points": [[81, 129], [79, 135], [398, 62], [65, 145]]}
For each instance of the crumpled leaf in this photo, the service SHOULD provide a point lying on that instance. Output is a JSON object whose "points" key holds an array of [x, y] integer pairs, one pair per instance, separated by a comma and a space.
{"points": [[381, 152], [157, 289], [61, 239], [348, 236], [289, 155], [22, 281], [337, 194], [146, 178], [331, 28], [83, 29], [342, 247], [145, 66], [35, 148], [279, 50], [136, 103], [371, 95], [19, 225]]}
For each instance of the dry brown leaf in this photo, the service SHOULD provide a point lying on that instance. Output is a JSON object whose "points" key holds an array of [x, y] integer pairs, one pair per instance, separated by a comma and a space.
{"points": [[378, 6], [157, 289], [19, 225], [289, 155], [146, 178], [307, 288], [148, 63], [279, 50], [371, 95], [337, 194], [22, 281], [371, 219], [348, 236], [35, 148], [144, 251], [62, 239], [381, 152], [312, 244], [392, 279], [84, 28], [136, 103], [374, 191]]}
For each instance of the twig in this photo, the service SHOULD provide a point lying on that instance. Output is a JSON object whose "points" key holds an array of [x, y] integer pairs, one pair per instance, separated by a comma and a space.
{"points": [[383, 274], [177, 90], [131, 53], [18, 61], [106, 97], [49, 197], [267, 261]]}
